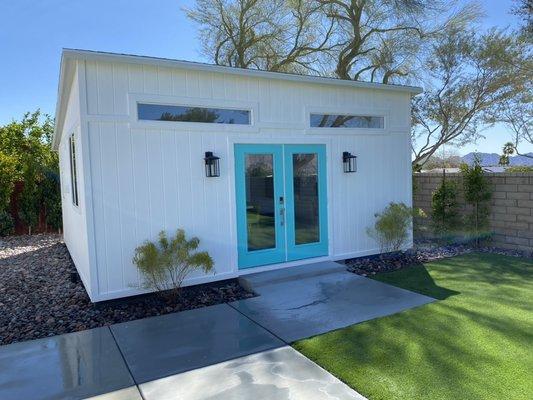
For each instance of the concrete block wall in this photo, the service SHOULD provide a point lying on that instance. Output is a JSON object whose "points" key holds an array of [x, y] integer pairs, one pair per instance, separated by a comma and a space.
{"points": [[511, 218]]}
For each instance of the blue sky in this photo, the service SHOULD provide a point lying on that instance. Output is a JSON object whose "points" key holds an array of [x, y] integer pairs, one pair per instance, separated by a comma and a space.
{"points": [[32, 34]]}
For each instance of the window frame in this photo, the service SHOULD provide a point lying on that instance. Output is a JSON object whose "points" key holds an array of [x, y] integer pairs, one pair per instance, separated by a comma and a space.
{"points": [[248, 111], [337, 114], [340, 110], [136, 98], [73, 170]]}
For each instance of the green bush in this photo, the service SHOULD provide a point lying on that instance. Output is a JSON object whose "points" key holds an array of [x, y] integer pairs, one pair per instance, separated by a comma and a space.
{"points": [[6, 224], [478, 194], [445, 215], [392, 227], [8, 177], [166, 263], [26, 153]]}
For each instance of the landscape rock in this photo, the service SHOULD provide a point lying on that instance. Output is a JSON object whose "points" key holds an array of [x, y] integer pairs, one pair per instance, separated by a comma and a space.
{"points": [[38, 298]]}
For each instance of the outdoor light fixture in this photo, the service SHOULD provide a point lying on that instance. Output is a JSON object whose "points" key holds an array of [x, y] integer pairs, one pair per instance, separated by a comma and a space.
{"points": [[349, 161], [212, 166]]}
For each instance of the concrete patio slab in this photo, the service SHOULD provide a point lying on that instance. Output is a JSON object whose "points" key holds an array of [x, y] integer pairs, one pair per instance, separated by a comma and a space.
{"points": [[166, 345], [310, 304], [277, 374], [72, 366]]}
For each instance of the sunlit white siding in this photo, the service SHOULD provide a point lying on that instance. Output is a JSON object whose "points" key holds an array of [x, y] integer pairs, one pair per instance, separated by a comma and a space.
{"points": [[140, 177]]}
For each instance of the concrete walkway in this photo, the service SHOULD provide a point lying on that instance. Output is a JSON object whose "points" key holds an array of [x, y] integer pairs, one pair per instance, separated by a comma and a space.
{"points": [[228, 351]]}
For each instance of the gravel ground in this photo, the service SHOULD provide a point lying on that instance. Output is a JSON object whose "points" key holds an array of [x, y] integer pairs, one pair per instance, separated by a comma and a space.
{"points": [[421, 253], [38, 299]]}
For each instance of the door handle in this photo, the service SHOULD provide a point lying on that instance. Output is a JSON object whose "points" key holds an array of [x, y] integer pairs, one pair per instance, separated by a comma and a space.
{"points": [[281, 211]]}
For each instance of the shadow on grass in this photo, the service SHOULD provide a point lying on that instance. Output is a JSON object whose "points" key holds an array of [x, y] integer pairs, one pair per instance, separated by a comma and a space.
{"points": [[416, 279]]}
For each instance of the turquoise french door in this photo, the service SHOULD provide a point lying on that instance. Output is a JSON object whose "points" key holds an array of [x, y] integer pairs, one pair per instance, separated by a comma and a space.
{"points": [[281, 203]]}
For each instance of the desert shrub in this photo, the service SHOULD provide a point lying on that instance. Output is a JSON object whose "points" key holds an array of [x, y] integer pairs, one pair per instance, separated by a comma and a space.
{"points": [[392, 227], [478, 193], [6, 224], [445, 215], [164, 264]]}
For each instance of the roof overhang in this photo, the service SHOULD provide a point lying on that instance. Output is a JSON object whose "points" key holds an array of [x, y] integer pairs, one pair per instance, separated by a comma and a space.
{"points": [[70, 56]]}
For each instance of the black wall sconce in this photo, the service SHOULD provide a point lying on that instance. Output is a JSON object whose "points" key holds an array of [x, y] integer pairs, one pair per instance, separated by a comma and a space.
{"points": [[349, 161], [212, 165]]}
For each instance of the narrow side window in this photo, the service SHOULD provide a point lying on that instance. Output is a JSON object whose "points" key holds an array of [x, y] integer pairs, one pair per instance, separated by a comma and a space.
{"points": [[73, 170]]}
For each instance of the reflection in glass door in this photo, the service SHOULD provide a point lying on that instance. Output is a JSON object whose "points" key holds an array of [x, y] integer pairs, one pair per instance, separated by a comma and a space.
{"points": [[259, 187], [305, 175], [281, 203]]}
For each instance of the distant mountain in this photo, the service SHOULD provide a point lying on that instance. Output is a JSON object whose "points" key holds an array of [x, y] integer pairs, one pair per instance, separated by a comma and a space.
{"points": [[493, 159]]}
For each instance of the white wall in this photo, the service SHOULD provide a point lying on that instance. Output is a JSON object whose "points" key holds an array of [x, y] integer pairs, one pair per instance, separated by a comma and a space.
{"points": [[74, 217], [148, 176]]}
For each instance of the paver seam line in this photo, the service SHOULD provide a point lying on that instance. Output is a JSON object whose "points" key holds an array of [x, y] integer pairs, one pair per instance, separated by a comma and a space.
{"points": [[258, 324], [126, 363]]}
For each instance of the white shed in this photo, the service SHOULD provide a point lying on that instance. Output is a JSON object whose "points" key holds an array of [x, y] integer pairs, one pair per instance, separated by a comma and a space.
{"points": [[133, 133]]}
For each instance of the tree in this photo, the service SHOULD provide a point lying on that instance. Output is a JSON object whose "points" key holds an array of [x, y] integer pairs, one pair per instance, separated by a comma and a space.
{"points": [[477, 193], [380, 41], [28, 144], [470, 76], [445, 208], [274, 35], [524, 10]]}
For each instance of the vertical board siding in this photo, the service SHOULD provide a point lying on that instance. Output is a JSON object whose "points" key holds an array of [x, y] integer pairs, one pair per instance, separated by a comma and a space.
{"points": [[150, 179]]}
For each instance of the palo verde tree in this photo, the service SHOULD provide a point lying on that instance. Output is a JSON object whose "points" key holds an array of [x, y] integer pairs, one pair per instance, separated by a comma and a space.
{"points": [[470, 76], [274, 35]]}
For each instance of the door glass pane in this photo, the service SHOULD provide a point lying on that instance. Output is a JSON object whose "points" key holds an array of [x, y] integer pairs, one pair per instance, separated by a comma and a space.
{"points": [[305, 183], [260, 209]]}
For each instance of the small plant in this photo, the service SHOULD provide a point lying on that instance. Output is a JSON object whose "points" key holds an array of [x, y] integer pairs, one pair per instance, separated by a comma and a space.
{"points": [[478, 193], [445, 208], [392, 227], [166, 263]]}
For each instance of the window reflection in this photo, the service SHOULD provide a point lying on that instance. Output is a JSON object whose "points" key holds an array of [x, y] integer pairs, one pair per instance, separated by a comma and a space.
{"points": [[159, 112], [346, 121]]}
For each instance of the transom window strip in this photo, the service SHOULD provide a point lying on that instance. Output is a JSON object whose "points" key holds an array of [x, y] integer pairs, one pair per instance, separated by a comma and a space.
{"points": [[346, 121], [174, 113]]}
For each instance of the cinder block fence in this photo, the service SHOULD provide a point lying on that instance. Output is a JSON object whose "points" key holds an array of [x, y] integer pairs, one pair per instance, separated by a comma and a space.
{"points": [[511, 218]]}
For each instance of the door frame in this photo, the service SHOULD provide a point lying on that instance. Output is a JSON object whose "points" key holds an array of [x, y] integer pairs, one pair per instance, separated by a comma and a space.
{"points": [[249, 259], [286, 250], [315, 249]]}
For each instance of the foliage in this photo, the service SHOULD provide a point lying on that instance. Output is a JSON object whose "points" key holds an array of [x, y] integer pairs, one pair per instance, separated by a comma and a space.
{"points": [[165, 264], [29, 199], [519, 168], [478, 193], [274, 35], [51, 195], [392, 227], [375, 40], [470, 75], [27, 145], [445, 208], [6, 224], [8, 177]]}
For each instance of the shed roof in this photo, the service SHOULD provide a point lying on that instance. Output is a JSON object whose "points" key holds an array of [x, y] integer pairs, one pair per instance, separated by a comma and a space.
{"points": [[70, 55]]}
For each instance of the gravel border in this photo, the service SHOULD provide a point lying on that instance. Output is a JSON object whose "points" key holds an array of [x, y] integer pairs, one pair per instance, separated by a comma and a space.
{"points": [[422, 252], [38, 298]]}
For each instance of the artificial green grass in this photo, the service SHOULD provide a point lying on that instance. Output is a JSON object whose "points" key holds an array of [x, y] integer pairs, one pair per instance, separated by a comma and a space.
{"points": [[474, 343]]}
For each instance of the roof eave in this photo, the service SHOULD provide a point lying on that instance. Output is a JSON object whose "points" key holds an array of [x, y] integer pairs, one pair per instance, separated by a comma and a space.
{"points": [[135, 59]]}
